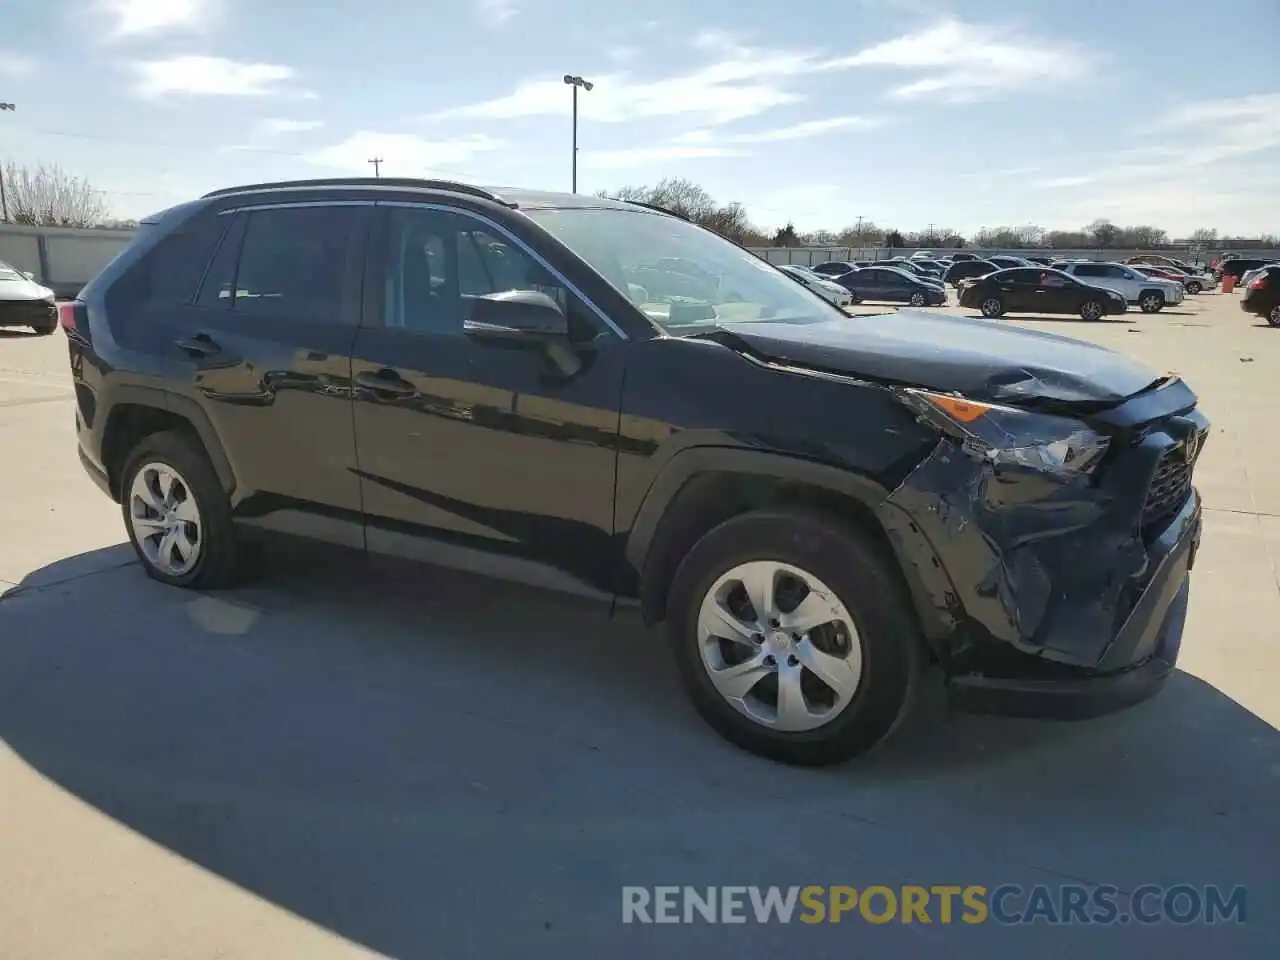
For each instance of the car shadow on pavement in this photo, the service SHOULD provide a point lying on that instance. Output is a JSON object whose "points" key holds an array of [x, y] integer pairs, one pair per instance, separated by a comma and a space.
{"points": [[1053, 318], [432, 764], [12, 333]]}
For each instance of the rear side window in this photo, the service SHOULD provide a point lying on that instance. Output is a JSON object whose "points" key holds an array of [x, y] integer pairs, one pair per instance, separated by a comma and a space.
{"points": [[1090, 270], [170, 273], [293, 263]]}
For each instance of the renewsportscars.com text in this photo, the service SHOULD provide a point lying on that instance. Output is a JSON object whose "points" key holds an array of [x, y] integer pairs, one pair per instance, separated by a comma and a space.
{"points": [[940, 903]]}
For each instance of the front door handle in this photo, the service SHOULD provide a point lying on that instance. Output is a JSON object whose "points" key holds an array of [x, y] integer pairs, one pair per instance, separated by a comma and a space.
{"points": [[385, 381], [201, 345]]}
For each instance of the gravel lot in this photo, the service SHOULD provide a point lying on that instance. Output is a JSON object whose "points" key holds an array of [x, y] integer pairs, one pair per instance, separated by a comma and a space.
{"points": [[356, 758]]}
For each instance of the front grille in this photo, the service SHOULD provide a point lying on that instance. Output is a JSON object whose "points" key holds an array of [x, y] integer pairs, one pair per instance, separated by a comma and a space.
{"points": [[1171, 482], [30, 313]]}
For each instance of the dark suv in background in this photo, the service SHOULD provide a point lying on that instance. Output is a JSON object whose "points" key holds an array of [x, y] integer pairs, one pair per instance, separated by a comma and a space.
{"points": [[528, 384]]}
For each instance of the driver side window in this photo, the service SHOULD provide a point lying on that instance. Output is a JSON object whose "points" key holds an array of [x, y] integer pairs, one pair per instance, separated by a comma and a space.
{"points": [[438, 262]]}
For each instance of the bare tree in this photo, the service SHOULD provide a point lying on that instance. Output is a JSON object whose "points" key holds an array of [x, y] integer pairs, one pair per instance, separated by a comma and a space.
{"points": [[686, 199], [48, 196], [1103, 232], [1205, 236]]}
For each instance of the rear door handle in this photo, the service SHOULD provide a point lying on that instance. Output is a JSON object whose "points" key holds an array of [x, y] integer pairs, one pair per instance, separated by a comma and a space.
{"points": [[201, 345], [385, 381]]}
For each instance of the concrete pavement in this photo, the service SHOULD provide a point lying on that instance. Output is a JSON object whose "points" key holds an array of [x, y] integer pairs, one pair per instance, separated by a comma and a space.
{"points": [[352, 758]]}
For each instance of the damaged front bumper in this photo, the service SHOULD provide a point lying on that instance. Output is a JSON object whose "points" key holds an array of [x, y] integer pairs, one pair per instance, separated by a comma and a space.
{"points": [[1139, 659], [1054, 597]]}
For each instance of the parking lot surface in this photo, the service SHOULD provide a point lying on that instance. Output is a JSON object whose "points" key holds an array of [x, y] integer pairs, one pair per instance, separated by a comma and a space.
{"points": [[361, 758]]}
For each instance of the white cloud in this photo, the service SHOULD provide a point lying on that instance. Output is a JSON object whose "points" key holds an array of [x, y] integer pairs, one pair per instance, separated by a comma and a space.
{"points": [[279, 126], [402, 153], [961, 61], [136, 18], [646, 156], [1216, 130], [496, 13], [1053, 183], [742, 83], [212, 76], [15, 64], [796, 131]]}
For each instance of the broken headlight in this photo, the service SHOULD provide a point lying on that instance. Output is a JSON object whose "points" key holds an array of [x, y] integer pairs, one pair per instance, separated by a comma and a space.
{"points": [[1008, 436]]}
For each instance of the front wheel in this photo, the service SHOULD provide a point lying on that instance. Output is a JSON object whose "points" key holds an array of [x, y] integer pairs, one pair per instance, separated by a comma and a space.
{"points": [[1195, 286], [177, 514], [1151, 302], [794, 636], [1273, 317], [1091, 310], [917, 300], [992, 307]]}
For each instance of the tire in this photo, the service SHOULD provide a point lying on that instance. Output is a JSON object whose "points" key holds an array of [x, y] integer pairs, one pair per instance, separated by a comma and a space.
{"points": [[917, 300], [1092, 310], [1273, 317], [863, 584], [992, 307], [46, 330], [215, 563], [1151, 301], [1195, 287]]}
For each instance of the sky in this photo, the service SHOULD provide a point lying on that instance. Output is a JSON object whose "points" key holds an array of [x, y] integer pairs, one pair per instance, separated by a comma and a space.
{"points": [[909, 113]]}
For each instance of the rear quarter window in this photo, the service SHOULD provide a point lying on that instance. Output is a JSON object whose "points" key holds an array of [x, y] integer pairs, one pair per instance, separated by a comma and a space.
{"points": [[170, 272]]}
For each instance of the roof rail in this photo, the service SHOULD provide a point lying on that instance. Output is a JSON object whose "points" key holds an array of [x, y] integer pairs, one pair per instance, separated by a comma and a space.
{"points": [[406, 182], [657, 209]]}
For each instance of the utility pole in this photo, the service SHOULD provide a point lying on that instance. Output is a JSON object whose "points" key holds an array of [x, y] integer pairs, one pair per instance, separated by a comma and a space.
{"points": [[377, 166], [4, 200], [576, 82]]}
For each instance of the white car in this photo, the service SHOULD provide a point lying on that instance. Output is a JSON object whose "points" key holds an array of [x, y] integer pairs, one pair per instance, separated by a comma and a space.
{"points": [[25, 303], [1151, 294], [828, 290]]}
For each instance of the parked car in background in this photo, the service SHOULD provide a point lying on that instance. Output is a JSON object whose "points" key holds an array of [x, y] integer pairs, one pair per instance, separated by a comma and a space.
{"points": [[1038, 290], [1190, 284], [1250, 275], [1262, 295], [1160, 260], [1007, 261], [967, 269], [892, 285], [25, 303], [959, 255], [827, 289], [1151, 294], [1043, 261], [833, 268], [916, 267], [1237, 267]]}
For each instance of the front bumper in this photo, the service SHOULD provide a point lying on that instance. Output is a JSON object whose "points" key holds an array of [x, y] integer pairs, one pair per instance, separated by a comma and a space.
{"points": [[39, 314], [1137, 662]]}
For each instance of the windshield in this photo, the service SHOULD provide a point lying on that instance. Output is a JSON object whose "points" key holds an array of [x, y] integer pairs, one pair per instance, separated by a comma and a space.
{"points": [[9, 273], [682, 277]]}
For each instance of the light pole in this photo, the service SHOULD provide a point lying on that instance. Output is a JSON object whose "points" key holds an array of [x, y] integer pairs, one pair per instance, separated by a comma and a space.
{"points": [[576, 82], [4, 201]]}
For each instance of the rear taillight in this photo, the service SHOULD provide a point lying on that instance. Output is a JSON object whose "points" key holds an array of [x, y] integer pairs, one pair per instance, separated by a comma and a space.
{"points": [[71, 316], [1260, 283]]}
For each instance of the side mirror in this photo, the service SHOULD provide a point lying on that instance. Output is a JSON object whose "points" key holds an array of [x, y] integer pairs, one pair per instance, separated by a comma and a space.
{"points": [[28, 274], [522, 316]]}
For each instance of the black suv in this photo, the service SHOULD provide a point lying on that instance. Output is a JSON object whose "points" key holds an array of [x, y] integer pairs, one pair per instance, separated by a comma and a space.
{"points": [[818, 506]]}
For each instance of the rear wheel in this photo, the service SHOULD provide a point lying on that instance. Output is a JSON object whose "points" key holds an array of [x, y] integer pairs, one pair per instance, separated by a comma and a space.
{"points": [[917, 300], [1273, 317], [1091, 310], [177, 514], [992, 307], [1195, 286], [1151, 301], [794, 637]]}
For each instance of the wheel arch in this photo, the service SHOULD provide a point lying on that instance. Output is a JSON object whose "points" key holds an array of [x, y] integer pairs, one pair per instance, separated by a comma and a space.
{"points": [[136, 412], [701, 488]]}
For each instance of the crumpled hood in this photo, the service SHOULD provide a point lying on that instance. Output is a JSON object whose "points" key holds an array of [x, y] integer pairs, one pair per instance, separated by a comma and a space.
{"points": [[981, 359]]}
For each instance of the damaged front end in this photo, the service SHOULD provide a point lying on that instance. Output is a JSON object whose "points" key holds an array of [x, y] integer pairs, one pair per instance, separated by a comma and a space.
{"points": [[1063, 533]]}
